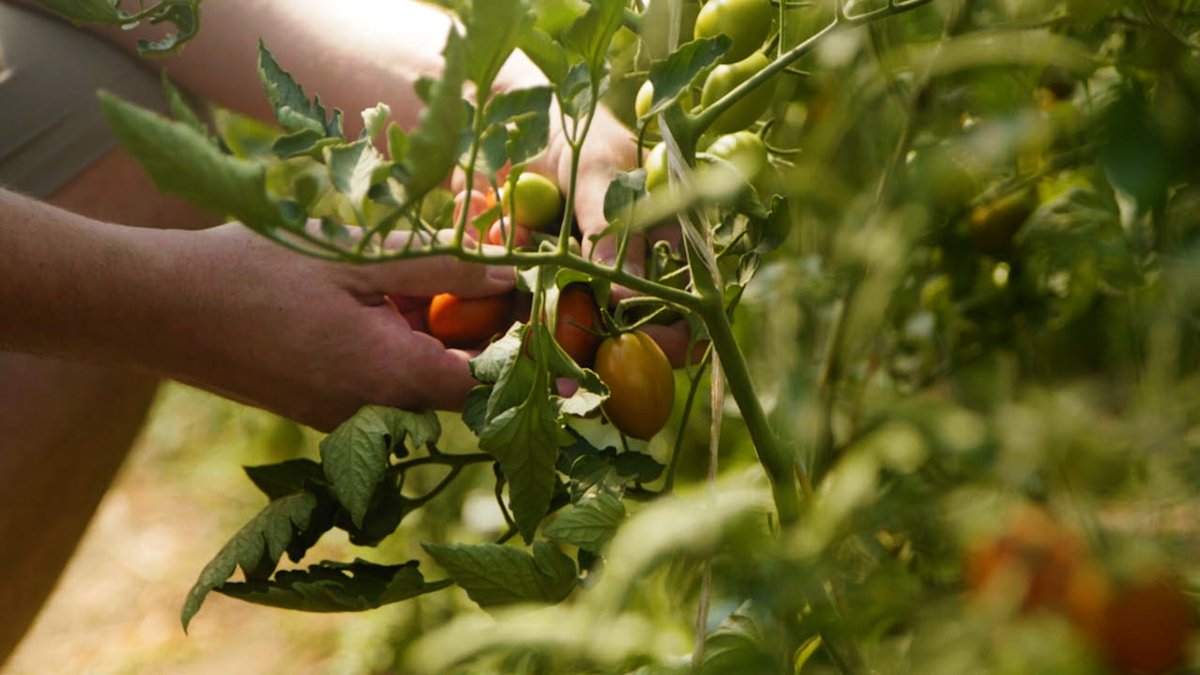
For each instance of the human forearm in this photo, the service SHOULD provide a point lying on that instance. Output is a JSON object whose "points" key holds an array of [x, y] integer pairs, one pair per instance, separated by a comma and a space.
{"points": [[74, 287]]}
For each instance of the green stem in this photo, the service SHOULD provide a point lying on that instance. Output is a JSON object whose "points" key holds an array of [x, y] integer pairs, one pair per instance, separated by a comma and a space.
{"points": [[776, 461]]}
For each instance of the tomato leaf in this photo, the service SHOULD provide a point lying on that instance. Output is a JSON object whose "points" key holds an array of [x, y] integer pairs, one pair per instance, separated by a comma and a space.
{"points": [[590, 524], [183, 14], [293, 109], [245, 137], [183, 162], [433, 146], [743, 644], [524, 117], [336, 587], [181, 110], [671, 78], [355, 455], [495, 575], [285, 478], [494, 28], [546, 54], [525, 440], [354, 170], [292, 524], [592, 33]]}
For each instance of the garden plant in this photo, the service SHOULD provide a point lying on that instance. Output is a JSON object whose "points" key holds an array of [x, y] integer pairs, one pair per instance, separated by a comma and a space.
{"points": [[940, 411]]}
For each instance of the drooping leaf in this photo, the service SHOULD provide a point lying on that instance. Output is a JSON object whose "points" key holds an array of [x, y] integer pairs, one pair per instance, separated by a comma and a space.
{"points": [[495, 575], [433, 145], [355, 455], [624, 190], [257, 547], [285, 478], [183, 14], [246, 137], [183, 162], [590, 524], [336, 587], [525, 440]]}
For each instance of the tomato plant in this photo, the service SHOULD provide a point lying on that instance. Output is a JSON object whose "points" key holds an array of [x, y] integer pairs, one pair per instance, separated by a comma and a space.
{"points": [[968, 282]]}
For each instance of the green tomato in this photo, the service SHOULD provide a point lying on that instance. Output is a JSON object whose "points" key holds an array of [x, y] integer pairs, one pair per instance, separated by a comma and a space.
{"points": [[745, 22], [645, 97], [538, 202], [745, 150], [656, 167], [725, 78]]}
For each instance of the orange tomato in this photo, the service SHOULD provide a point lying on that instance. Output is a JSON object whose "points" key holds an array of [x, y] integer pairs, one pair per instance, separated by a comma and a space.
{"points": [[1146, 627], [641, 386], [467, 322]]}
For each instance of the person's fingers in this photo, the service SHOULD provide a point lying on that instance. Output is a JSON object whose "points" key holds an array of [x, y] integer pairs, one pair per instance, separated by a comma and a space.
{"points": [[672, 339], [433, 376], [431, 275]]}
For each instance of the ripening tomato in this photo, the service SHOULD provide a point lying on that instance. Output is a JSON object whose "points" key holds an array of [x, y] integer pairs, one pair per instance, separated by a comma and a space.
{"points": [[745, 150], [745, 22], [467, 322], [723, 79], [1146, 627], [575, 328], [538, 202], [641, 387], [1043, 561]]}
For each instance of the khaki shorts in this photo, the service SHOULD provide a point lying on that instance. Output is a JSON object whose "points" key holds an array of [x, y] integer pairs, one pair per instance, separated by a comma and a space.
{"points": [[51, 125]]}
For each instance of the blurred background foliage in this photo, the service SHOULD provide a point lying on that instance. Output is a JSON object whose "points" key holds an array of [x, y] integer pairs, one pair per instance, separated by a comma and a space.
{"points": [[981, 336]]}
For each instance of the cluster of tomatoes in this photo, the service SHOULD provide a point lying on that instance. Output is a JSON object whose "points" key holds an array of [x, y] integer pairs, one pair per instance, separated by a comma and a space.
{"points": [[637, 372], [1140, 625], [747, 24]]}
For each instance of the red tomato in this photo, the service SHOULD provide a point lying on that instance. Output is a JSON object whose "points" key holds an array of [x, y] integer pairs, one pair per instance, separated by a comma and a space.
{"points": [[467, 322], [1147, 626], [576, 325], [641, 387]]}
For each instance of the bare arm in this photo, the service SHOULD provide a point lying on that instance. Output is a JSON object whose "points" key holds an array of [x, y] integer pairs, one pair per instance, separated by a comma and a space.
{"points": [[231, 312]]}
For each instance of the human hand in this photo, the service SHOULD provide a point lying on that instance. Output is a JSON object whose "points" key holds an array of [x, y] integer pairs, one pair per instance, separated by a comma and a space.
{"points": [[310, 339]]}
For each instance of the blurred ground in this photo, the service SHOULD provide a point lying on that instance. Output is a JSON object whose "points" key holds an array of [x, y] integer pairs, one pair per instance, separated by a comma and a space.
{"points": [[179, 497]]}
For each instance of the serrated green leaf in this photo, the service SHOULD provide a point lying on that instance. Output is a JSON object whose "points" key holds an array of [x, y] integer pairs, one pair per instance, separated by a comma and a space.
{"points": [[355, 455], [494, 361], [293, 109], [184, 163], [335, 587], [474, 412], [354, 169], [494, 27], [524, 441], [433, 146], [375, 119], [257, 547], [495, 575], [592, 33], [771, 232], [671, 78], [285, 478], [590, 524]]}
